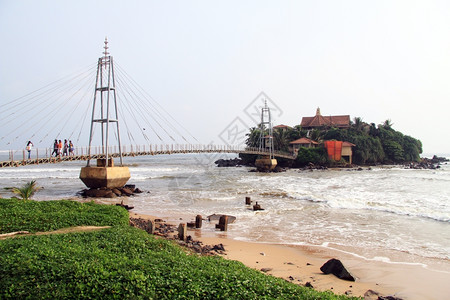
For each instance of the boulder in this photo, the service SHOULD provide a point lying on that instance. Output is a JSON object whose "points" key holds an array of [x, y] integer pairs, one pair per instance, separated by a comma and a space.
{"points": [[335, 267], [126, 191], [117, 192], [228, 162], [216, 217], [97, 193]]}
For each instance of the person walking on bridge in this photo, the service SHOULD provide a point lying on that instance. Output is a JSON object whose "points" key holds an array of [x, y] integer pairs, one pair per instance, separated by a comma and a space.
{"points": [[55, 148], [70, 148], [66, 148], [29, 147], [60, 145]]}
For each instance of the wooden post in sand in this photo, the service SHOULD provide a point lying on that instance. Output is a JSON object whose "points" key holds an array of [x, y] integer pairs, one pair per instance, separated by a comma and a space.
{"points": [[223, 223], [182, 231], [198, 221], [248, 201], [151, 227], [257, 207]]}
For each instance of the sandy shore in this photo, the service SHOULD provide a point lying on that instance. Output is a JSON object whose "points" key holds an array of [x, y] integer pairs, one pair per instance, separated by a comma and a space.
{"points": [[301, 264]]}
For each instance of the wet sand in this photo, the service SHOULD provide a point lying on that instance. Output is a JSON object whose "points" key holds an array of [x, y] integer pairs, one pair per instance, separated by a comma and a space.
{"points": [[301, 264]]}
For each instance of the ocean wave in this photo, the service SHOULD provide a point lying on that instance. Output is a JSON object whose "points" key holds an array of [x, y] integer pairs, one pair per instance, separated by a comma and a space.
{"points": [[277, 194]]}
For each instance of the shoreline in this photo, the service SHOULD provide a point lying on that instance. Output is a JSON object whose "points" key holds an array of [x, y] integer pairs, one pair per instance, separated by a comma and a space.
{"points": [[300, 264]]}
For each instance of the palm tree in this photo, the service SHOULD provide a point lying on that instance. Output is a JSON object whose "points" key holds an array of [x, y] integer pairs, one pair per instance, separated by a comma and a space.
{"points": [[281, 140], [253, 137], [358, 123], [26, 191], [388, 124]]}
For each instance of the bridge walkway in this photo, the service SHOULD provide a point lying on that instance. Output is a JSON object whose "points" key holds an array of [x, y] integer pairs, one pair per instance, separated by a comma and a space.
{"points": [[83, 153]]}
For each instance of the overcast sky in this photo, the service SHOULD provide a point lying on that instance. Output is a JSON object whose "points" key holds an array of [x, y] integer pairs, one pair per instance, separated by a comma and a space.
{"points": [[205, 62]]}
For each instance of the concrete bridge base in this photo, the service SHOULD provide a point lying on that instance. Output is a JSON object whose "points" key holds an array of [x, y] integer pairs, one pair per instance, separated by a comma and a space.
{"points": [[103, 176], [265, 164]]}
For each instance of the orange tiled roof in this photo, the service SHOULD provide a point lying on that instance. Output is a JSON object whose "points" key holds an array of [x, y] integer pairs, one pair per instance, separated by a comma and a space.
{"points": [[348, 144], [318, 120], [304, 141], [281, 126]]}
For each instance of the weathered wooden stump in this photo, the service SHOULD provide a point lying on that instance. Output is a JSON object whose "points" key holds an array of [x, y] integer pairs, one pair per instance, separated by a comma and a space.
{"points": [[182, 233], [198, 221], [151, 227], [248, 201], [223, 223], [257, 207]]}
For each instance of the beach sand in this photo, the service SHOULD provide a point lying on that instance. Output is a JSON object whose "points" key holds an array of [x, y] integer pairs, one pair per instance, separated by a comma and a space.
{"points": [[301, 264]]}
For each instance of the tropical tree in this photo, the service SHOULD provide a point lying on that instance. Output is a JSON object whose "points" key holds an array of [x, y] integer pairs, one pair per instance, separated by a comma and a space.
{"points": [[387, 124], [27, 190], [358, 124], [281, 139], [253, 137]]}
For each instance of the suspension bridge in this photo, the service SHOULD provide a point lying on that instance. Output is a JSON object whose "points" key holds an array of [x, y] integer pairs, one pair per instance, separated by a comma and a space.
{"points": [[60, 103], [19, 158]]}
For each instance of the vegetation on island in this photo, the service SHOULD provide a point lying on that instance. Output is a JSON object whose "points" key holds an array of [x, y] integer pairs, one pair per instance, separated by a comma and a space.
{"points": [[373, 144], [120, 262]]}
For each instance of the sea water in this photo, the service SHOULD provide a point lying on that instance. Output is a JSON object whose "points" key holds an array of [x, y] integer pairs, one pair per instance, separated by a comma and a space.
{"points": [[390, 214]]}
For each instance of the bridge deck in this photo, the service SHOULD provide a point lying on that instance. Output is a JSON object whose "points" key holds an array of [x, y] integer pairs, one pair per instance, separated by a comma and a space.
{"points": [[96, 153]]}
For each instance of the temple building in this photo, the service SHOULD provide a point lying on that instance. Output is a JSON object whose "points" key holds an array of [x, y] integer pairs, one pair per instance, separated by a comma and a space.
{"points": [[319, 121], [303, 142]]}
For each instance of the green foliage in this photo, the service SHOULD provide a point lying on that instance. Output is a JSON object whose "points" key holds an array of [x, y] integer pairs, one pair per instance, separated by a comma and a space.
{"points": [[373, 144], [35, 216], [27, 190], [123, 262], [253, 137], [317, 156]]}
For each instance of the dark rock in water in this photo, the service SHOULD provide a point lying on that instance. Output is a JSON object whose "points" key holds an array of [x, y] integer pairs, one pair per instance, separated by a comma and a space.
{"points": [[216, 217], [236, 162], [117, 192], [126, 191], [130, 186], [335, 267]]}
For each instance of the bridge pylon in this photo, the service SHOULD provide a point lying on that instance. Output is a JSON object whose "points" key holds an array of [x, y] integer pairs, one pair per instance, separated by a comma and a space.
{"points": [[266, 162], [104, 112]]}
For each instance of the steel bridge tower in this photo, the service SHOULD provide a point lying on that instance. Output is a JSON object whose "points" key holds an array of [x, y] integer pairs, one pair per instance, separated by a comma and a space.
{"points": [[266, 162], [105, 93], [105, 174]]}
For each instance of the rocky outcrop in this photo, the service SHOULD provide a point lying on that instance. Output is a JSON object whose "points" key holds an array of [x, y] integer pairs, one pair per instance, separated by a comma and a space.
{"points": [[427, 163], [127, 190], [169, 231], [335, 267], [236, 162]]}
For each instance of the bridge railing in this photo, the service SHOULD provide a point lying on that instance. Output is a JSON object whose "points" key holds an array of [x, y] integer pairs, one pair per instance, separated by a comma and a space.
{"points": [[42, 155]]}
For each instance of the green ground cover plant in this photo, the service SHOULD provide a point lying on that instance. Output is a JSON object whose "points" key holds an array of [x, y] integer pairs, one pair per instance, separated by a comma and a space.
{"points": [[36, 216], [123, 262]]}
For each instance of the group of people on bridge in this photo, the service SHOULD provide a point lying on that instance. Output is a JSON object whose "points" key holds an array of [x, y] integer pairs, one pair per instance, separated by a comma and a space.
{"points": [[64, 150], [59, 148]]}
